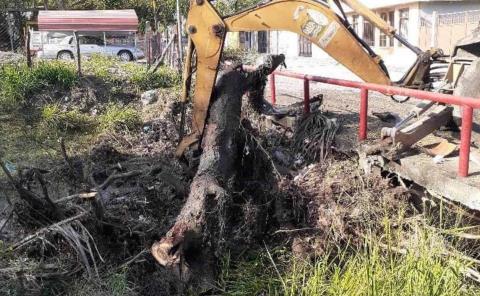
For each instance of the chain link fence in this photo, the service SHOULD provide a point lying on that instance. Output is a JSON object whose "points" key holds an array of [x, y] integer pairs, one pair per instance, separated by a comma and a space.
{"points": [[12, 31]]}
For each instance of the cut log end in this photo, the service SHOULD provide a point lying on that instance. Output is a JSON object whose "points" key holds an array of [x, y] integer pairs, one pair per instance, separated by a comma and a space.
{"points": [[166, 252]]}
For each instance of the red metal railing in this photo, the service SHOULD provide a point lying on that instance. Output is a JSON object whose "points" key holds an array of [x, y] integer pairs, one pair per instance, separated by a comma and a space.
{"points": [[467, 104]]}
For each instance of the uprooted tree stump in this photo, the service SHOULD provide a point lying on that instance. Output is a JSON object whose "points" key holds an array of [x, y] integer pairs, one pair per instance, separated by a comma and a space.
{"points": [[188, 248]]}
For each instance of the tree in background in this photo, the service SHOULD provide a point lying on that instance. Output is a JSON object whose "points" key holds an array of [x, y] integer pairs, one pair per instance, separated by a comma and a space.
{"points": [[226, 7], [162, 11]]}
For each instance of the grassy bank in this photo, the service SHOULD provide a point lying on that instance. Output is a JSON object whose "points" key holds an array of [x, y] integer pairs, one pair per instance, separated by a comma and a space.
{"points": [[49, 101]]}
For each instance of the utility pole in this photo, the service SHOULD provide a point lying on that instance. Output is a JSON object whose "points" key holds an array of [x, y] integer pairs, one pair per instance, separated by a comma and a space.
{"points": [[179, 36]]}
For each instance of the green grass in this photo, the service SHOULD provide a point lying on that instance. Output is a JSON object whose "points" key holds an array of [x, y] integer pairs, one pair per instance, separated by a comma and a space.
{"points": [[116, 72], [55, 119], [118, 117], [420, 267], [162, 78], [18, 83]]}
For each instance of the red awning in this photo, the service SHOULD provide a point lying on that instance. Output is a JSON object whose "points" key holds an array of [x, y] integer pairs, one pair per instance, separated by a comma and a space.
{"points": [[88, 20]]}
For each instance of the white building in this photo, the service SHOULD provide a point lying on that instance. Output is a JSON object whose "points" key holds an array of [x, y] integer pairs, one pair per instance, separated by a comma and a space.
{"points": [[424, 23], [413, 19]]}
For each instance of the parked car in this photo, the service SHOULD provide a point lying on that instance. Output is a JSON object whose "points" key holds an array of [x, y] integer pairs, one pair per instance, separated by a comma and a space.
{"points": [[89, 45]]}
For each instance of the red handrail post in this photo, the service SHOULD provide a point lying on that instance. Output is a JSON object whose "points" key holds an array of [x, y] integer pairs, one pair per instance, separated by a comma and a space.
{"points": [[272, 89], [466, 140], [306, 95], [362, 133]]}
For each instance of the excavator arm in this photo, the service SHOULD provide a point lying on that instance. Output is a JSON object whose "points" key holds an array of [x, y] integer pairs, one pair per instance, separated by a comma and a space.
{"points": [[311, 19]]}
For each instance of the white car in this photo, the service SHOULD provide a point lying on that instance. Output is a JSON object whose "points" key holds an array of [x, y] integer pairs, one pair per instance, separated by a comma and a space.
{"points": [[89, 45]]}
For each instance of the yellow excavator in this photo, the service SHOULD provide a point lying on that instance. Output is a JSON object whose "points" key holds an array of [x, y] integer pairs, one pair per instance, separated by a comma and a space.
{"points": [[325, 24]]}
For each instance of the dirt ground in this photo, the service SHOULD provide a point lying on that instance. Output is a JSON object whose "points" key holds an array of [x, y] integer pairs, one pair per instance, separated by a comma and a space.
{"points": [[343, 103], [136, 189]]}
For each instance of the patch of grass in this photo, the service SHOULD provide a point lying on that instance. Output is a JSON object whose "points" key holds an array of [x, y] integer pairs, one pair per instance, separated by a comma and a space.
{"points": [[420, 267], [72, 121], [103, 67], [118, 284], [118, 117], [18, 82], [114, 71], [115, 284], [58, 73], [54, 118], [163, 78]]}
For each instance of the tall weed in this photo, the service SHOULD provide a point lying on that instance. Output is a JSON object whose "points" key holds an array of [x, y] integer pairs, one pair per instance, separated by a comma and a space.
{"points": [[18, 82]]}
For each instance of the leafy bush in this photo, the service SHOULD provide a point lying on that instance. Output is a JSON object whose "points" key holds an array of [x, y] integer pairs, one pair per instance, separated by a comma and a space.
{"points": [[18, 82], [239, 55], [118, 117]]}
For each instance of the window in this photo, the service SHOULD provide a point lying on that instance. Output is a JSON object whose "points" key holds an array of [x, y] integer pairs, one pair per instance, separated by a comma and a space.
{"points": [[369, 33], [245, 40], [90, 40], [262, 41], [304, 47], [391, 20], [355, 23], [403, 29], [383, 36], [388, 17]]}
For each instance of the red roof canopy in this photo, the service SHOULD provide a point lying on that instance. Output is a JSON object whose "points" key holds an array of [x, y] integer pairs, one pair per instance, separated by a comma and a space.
{"points": [[88, 20]]}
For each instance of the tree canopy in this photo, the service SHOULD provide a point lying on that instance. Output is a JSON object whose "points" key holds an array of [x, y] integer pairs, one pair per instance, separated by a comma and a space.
{"points": [[164, 11]]}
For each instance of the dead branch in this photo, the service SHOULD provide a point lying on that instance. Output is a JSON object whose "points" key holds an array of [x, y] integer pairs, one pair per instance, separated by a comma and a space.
{"points": [[43, 184], [82, 196], [114, 177], [65, 156], [8, 217], [47, 229], [27, 195]]}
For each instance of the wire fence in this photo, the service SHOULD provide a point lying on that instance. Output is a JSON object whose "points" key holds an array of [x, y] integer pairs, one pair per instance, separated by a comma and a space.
{"points": [[156, 45], [11, 32]]}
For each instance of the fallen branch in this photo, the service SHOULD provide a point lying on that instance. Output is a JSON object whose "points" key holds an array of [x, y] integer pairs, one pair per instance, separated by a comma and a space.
{"points": [[27, 195], [8, 217], [114, 177], [83, 196], [44, 230]]}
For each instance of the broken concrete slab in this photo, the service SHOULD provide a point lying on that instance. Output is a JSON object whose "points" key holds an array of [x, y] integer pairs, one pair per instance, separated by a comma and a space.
{"points": [[438, 178]]}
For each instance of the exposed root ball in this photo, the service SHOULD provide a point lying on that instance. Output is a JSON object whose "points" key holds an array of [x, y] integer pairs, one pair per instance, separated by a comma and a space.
{"points": [[314, 136]]}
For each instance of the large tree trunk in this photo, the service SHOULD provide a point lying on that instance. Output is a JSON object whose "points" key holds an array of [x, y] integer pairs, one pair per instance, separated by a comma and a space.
{"points": [[189, 246], [184, 243]]}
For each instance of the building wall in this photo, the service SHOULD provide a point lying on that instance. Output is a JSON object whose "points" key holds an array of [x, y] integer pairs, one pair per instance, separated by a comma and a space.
{"points": [[442, 7], [397, 57]]}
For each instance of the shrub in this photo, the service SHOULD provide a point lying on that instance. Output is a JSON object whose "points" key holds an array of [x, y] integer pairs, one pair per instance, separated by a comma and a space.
{"points": [[117, 117], [234, 54]]}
